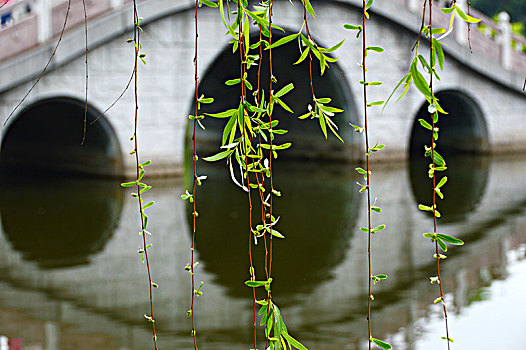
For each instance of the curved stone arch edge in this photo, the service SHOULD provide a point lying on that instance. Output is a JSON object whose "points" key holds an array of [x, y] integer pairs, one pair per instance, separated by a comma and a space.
{"points": [[94, 111]]}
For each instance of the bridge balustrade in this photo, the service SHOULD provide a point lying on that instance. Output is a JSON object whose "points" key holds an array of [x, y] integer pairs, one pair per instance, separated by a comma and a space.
{"points": [[18, 28], [27, 23], [24, 24]]}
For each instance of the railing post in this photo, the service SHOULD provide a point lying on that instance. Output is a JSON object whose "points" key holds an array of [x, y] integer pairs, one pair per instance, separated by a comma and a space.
{"points": [[505, 39], [461, 27], [44, 15]]}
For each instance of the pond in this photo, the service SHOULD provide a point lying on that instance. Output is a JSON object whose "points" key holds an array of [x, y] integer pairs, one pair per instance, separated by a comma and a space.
{"points": [[71, 278]]}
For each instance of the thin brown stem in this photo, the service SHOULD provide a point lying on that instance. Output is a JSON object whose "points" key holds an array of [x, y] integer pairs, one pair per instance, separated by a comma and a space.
{"points": [[368, 176], [469, 27], [431, 54], [117, 99], [136, 38], [46, 66], [310, 52], [86, 64], [245, 140], [421, 27], [194, 199], [270, 141]]}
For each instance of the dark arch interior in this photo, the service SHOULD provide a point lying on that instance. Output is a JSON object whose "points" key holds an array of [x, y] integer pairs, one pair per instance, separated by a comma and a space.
{"points": [[462, 130], [463, 139], [46, 138], [306, 136]]}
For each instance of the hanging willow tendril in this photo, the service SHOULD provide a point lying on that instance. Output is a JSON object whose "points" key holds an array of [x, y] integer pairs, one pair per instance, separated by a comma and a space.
{"points": [[139, 183], [438, 163], [247, 136], [47, 64], [195, 179], [433, 139], [367, 173]]}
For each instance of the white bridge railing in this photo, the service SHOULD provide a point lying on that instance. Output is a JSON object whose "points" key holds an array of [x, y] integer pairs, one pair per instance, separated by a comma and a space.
{"points": [[25, 24]]}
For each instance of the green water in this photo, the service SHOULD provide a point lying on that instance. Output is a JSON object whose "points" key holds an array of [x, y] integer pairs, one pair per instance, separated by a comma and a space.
{"points": [[71, 278]]}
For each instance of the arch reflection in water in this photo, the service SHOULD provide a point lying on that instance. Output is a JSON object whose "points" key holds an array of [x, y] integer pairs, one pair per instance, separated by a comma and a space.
{"points": [[59, 222], [47, 137], [467, 179], [317, 213], [306, 136]]}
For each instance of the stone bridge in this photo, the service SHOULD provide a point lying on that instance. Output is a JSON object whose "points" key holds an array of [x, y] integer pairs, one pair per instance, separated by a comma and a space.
{"points": [[481, 89]]}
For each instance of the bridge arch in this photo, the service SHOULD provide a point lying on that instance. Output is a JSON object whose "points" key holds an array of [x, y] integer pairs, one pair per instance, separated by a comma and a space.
{"points": [[462, 130], [46, 137], [306, 136], [463, 135]]}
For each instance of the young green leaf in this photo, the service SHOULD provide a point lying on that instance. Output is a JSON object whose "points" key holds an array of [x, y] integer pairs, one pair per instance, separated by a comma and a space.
{"points": [[465, 17], [283, 40], [450, 239], [442, 182], [218, 156], [255, 284], [284, 90], [381, 343], [378, 228], [375, 49], [425, 124]]}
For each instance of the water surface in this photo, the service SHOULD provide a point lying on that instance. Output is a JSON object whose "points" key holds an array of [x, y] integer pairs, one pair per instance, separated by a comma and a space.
{"points": [[71, 278]]}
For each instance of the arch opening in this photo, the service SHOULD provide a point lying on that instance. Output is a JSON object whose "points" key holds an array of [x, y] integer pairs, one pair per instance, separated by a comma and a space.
{"points": [[306, 136], [463, 138], [46, 137], [462, 131]]}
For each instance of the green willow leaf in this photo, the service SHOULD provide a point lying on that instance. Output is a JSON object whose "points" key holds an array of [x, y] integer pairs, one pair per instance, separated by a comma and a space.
{"points": [[309, 8], [419, 80], [335, 47], [147, 205], [425, 124], [439, 160], [321, 119], [465, 17], [402, 81], [218, 156], [450, 239], [438, 30], [284, 90], [378, 228], [283, 41], [381, 343], [255, 284], [224, 114], [442, 182], [303, 56], [442, 245], [293, 342], [232, 81], [437, 47], [207, 3], [375, 49], [352, 27]]}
